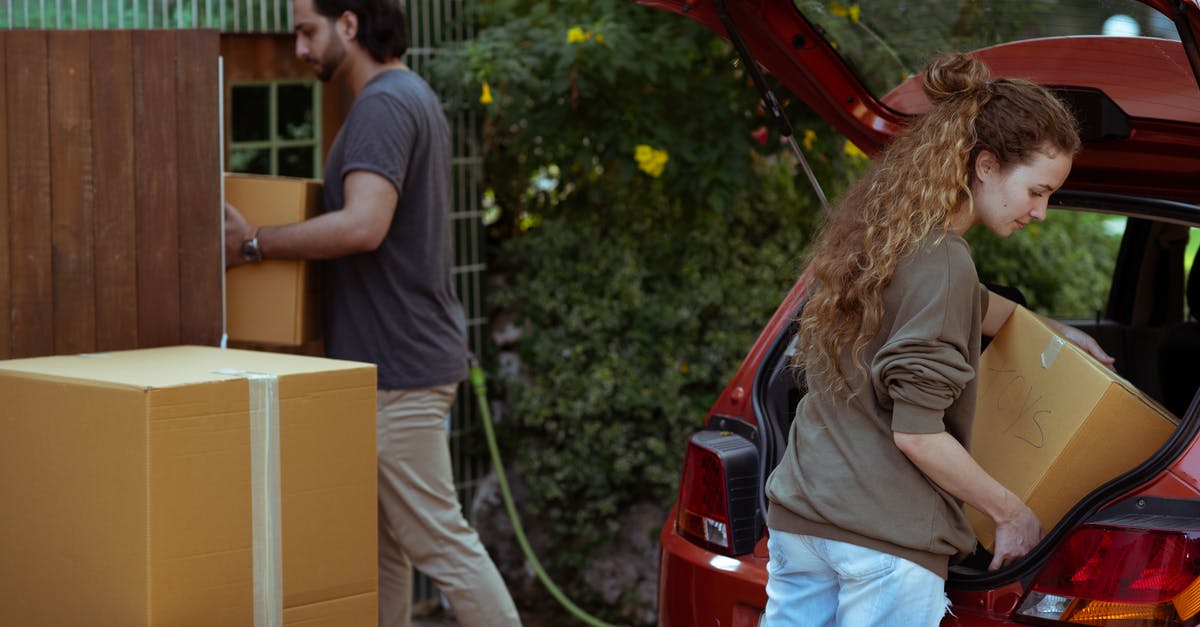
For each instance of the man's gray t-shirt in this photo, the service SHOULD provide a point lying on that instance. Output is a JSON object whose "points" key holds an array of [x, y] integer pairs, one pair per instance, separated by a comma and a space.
{"points": [[395, 306]]}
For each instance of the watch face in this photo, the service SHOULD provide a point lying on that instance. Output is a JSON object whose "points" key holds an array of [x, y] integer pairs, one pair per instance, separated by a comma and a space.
{"points": [[250, 250]]}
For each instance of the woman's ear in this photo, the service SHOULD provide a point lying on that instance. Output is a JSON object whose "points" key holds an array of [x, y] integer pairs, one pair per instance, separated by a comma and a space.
{"points": [[986, 165]]}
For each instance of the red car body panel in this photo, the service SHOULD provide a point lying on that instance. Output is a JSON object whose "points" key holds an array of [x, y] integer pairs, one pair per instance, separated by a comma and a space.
{"points": [[688, 594]]}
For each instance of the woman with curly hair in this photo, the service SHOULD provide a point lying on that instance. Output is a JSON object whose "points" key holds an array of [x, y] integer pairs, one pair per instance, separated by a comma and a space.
{"points": [[865, 511]]}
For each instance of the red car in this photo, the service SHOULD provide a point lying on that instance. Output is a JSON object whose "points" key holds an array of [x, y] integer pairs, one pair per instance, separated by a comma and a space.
{"points": [[1129, 552]]}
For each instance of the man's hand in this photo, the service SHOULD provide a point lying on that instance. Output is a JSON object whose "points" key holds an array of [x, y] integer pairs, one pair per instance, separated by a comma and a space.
{"points": [[237, 229], [1015, 536]]}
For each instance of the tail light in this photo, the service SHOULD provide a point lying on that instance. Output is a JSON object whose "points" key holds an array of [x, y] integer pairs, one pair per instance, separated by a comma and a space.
{"points": [[1124, 576], [718, 497]]}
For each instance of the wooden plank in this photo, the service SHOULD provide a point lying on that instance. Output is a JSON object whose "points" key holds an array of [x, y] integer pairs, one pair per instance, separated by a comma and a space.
{"points": [[28, 133], [5, 247], [72, 192], [200, 236], [156, 168], [115, 218]]}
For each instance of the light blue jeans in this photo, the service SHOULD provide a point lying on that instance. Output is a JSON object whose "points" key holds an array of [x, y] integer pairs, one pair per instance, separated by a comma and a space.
{"points": [[813, 582]]}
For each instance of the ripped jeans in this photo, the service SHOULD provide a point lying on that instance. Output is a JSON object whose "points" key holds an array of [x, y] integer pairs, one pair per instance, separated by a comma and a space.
{"points": [[823, 583]]}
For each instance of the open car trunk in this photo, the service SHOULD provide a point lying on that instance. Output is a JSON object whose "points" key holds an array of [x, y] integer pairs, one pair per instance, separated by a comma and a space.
{"points": [[1146, 316]]}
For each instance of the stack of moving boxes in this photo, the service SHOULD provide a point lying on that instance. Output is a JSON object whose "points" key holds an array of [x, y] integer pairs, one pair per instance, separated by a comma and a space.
{"points": [[190, 485], [1052, 424]]}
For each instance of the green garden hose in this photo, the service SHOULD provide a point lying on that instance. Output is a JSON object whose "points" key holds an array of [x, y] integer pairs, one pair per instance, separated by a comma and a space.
{"points": [[485, 415]]}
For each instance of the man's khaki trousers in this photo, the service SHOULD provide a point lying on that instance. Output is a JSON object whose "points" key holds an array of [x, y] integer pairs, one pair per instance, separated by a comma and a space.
{"points": [[420, 519]]}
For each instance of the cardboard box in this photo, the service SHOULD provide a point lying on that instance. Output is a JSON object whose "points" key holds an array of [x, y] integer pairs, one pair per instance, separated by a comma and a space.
{"points": [[273, 302], [1052, 423], [146, 488]]}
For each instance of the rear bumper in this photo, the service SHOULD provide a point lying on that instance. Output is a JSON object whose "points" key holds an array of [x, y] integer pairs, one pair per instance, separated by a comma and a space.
{"points": [[699, 587]]}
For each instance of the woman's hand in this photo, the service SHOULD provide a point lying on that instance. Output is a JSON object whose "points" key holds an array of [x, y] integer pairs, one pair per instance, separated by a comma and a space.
{"points": [[1082, 340], [1016, 535], [944, 460]]}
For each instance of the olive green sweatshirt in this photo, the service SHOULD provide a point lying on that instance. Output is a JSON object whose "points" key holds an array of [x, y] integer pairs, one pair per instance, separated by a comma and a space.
{"points": [[842, 476]]}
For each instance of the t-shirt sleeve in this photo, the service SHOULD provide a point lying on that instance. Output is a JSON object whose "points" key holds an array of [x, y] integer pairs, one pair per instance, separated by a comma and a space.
{"points": [[379, 138], [924, 366]]}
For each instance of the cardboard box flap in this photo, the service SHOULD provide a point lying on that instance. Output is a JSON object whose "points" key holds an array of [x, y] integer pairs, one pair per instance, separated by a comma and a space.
{"points": [[174, 366]]}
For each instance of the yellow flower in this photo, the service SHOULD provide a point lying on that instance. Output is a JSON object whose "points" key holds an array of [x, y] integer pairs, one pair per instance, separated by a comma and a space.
{"points": [[528, 221], [486, 96], [1032, 230], [599, 38], [853, 11], [810, 138], [575, 35], [683, 368], [650, 160], [852, 151]]}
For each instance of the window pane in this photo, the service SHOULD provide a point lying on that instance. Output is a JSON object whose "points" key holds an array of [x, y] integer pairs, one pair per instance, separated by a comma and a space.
{"points": [[295, 112], [252, 160], [251, 113], [297, 161]]}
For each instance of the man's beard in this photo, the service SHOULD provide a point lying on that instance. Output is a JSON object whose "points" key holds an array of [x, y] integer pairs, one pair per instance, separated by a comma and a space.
{"points": [[329, 62]]}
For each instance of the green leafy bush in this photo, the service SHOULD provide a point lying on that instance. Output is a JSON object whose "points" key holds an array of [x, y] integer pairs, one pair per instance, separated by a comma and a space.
{"points": [[643, 225], [637, 319]]}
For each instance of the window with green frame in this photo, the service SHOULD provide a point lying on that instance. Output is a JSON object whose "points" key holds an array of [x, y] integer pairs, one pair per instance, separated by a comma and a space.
{"points": [[275, 128]]}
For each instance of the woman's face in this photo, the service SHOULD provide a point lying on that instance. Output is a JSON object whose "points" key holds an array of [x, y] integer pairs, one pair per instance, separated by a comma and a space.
{"points": [[1008, 198]]}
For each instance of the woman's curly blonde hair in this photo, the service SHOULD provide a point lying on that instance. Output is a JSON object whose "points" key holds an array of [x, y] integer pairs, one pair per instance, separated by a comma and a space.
{"points": [[914, 189]]}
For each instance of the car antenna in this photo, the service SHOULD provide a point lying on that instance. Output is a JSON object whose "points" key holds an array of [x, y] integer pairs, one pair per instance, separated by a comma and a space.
{"points": [[772, 104]]}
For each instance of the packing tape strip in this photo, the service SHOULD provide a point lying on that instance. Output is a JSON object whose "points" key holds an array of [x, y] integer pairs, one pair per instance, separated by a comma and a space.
{"points": [[264, 493], [1053, 348]]}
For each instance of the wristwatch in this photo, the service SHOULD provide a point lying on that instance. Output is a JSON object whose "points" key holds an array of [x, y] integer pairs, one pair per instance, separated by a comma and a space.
{"points": [[250, 250]]}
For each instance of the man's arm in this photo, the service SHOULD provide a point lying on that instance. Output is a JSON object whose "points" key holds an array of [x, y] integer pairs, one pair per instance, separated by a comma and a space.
{"points": [[360, 226]]}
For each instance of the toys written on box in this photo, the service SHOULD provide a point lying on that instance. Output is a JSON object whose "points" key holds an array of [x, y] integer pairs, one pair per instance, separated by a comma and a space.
{"points": [[1052, 424]]}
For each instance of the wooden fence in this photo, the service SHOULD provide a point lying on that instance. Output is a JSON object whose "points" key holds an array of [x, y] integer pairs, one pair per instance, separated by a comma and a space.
{"points": [[110, 175]]}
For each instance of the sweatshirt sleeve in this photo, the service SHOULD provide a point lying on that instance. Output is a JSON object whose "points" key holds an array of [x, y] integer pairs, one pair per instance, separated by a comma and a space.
{"points": [[921, 377], [923, 366]]}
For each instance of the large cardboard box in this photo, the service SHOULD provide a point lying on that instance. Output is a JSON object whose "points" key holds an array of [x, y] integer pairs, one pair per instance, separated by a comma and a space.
{"points": [[273, 302], [1052, 423], [172, 486]]}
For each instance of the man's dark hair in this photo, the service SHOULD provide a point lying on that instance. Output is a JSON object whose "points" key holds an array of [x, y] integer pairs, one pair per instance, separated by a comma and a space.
{"points": [[382, 29]]}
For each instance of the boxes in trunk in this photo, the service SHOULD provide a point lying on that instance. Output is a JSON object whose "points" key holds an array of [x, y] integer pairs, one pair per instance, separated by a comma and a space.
{"points": [[1052, 424], [273, 302], [168, 486]]}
